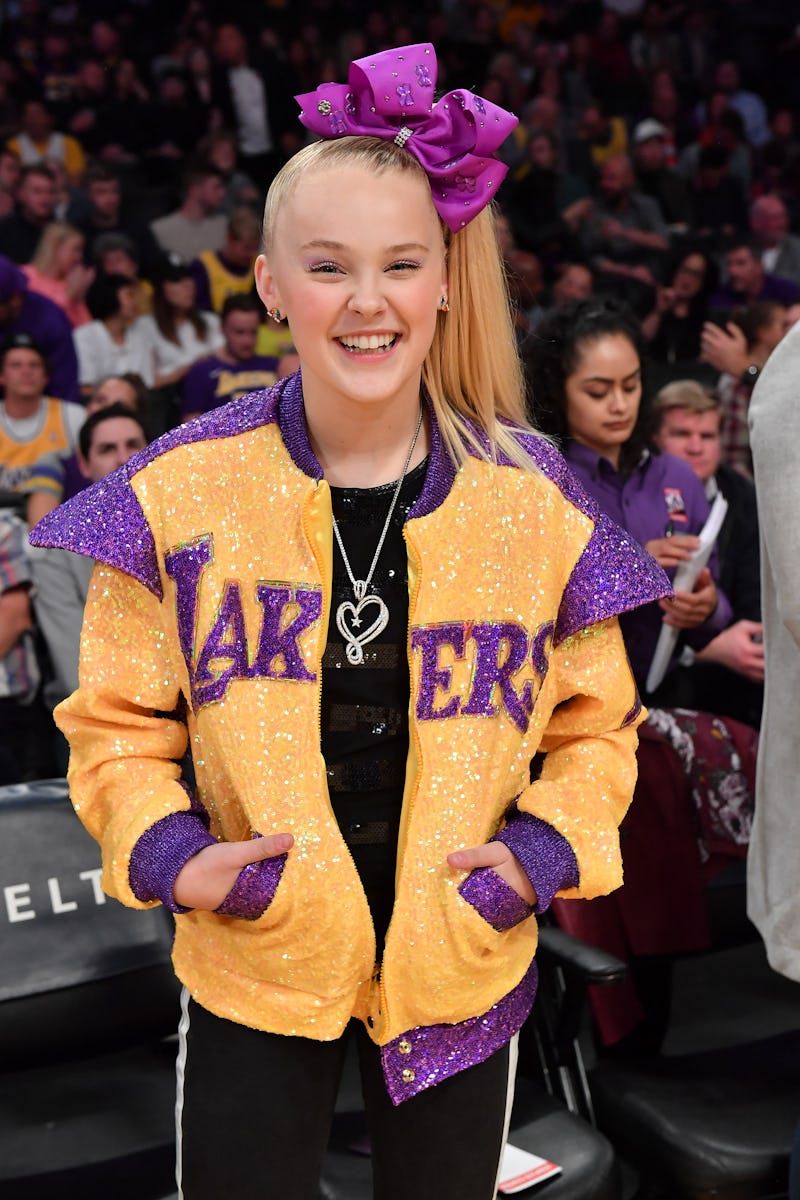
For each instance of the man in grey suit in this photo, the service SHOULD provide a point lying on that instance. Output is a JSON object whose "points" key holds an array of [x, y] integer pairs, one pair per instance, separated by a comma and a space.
{"points": [[780, 249], [773, 863]]}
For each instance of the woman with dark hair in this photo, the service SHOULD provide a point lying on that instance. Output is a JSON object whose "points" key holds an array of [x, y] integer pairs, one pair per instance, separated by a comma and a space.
{"points": [[180, 335], [585, 368], [674, 325], [693, 805], [115, 341]]}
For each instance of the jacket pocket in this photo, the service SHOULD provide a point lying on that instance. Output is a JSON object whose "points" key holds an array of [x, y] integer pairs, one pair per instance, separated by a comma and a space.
{"points": [[254, 889], [494, 899]]}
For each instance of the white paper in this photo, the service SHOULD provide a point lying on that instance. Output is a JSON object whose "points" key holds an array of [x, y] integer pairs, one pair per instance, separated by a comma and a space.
{"points": [[520, 1170], [685, 579]]}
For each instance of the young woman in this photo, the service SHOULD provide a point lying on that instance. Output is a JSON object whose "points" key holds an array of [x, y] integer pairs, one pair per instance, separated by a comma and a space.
{"points": [[694, 808], [115, 341], [379, 594], [674, 326], [179, 335], [57, 271], [179, 332], [585, 372]]}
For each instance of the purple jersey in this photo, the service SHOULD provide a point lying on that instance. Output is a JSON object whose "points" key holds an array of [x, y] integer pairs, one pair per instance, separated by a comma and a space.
{"points": [[213, 381]]}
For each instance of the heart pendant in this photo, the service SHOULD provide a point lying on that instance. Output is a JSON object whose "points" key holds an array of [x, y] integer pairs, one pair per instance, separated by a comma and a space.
{"points": [[349, 620]]}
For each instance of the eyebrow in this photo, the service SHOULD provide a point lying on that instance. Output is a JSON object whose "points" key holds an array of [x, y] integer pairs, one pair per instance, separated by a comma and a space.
{"points": [[602, 378], [324, 244]]}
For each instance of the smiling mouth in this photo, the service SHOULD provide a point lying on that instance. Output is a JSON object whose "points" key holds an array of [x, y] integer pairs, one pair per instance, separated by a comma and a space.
{"points": [[369, 343]]}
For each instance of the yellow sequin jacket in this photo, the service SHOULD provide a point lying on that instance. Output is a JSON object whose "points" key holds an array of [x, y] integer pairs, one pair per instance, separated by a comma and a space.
{"points": [[214, 553]]}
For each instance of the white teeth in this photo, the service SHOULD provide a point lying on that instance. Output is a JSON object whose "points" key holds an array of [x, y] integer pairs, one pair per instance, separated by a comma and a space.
{"points": [[373, 341]]}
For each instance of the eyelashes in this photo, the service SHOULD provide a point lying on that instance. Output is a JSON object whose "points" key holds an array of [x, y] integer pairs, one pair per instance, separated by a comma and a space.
{"points": [[333, 268]]}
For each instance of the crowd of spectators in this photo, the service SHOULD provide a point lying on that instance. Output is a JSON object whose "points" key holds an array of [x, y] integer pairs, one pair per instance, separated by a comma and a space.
{"points": [[656, 162]]}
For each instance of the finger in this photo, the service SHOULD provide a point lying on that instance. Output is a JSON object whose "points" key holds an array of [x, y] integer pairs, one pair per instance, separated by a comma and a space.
{"points": [[492, 854], [241, 853]]}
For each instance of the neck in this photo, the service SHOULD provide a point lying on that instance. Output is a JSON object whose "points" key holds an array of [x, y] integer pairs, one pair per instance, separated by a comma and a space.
{"points": [[609, 453], [193, 209], [20, 407], [358, 448], [116, 327]]}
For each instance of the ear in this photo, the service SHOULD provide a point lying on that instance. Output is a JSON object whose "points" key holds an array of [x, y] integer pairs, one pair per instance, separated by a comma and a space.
{"points": [[266, 286]]}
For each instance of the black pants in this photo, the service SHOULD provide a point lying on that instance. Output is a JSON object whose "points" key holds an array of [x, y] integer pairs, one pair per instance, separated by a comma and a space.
{"points": [[254, 1113]]}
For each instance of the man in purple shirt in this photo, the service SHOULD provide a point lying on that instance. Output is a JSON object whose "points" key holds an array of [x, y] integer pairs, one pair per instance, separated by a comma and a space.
{"points": [[236, 369], [22, 311], [746, 279]]}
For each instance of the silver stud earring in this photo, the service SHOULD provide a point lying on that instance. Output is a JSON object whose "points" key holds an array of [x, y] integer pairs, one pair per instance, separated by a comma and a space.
{"points": [[276, 315]]}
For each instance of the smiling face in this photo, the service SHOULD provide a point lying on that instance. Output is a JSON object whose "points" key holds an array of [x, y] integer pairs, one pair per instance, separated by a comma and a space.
{"points": [[357, 263], [603, 394]]}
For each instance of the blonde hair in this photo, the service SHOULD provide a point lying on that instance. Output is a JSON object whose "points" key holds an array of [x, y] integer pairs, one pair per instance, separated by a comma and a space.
{"points": [[53, 237], [472, 371], [688, 394]]}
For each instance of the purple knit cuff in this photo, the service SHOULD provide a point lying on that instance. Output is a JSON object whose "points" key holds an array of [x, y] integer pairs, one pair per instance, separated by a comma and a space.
{"points": [[544, 854], [160, 854], [254, 889], [494, 899]]}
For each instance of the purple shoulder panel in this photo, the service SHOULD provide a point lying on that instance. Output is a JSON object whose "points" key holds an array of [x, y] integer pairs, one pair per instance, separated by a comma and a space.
{"points": [[425, 1056], [613, 575], [106, 522]]}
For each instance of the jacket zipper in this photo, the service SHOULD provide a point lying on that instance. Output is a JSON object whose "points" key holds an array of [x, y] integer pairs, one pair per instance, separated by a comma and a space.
{"points": [[326, 610], [406, 815]]}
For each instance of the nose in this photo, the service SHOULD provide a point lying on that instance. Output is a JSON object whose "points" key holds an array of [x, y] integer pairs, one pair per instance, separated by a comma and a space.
{"points": [[694, 444], [619, 401], [367, 296]]}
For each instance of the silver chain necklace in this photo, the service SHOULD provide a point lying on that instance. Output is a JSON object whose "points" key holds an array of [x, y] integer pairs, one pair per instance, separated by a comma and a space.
{"points": [[349, 616]]}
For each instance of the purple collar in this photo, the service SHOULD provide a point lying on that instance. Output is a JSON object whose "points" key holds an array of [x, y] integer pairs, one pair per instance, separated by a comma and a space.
{"points": [[294, 431]]}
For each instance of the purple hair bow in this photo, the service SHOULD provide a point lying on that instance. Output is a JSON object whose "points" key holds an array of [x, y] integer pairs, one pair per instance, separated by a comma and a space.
{"points": [[391, 96]]}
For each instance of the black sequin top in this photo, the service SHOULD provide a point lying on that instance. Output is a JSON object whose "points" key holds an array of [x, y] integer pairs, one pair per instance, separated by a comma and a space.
{"points": [[365, 707]]}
